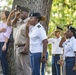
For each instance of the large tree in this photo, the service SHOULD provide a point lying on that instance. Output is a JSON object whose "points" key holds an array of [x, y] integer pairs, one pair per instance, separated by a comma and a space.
{"points": [[42, 6]]}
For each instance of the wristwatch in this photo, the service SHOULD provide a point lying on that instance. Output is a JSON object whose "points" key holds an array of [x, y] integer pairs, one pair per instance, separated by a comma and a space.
{"points": [[43, 57], [5, 42]]}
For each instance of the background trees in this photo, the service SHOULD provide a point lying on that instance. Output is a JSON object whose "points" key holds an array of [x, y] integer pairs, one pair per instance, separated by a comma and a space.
{"points": [[63, 13]]}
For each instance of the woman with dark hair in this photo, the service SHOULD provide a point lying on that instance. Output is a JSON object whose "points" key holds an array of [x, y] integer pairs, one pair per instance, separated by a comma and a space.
{"points": [[37, 43], [69, 46], [5, 32]]}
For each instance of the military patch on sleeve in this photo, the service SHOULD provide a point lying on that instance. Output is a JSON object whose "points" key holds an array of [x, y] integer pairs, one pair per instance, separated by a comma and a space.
{"points": [[38, 26]]}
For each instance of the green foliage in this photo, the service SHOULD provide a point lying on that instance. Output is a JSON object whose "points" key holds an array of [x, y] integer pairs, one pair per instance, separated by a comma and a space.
{"points": [[9, 2], [7, 5], [63, 13]]}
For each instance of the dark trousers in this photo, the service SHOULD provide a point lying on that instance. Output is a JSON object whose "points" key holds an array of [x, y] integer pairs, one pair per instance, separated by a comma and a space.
{"points": [[55, 64], [70, 61], [3, 59], [35, 64]]}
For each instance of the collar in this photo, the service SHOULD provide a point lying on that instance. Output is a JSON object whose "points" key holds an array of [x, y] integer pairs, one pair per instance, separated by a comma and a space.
{"points": [[36, 25], [58, 38], [71, 38]]}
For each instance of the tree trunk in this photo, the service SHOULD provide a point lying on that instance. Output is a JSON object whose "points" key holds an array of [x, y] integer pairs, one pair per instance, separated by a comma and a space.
{"points": [[42, 6], [11, 57]]}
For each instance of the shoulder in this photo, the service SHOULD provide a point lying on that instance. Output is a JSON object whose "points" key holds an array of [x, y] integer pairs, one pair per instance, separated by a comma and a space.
{"points": [[74, 40], [0, 21], [51, 39], [39, 26]]}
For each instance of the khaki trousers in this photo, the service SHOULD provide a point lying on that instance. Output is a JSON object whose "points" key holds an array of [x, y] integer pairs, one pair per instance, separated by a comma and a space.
{"points": [[22, 63]]}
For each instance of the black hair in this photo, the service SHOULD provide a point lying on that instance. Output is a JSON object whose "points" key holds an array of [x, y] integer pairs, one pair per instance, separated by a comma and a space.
{"points": [[6, 13], [39, 18], [74, 34], [37, 15], [73, 30]]}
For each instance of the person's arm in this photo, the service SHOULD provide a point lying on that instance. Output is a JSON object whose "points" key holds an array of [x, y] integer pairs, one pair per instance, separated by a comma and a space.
{"points": [[27, 29], [17, 16], [74, 46], [43, 57], [51, 34], [5, 44], [74, 68], [10, 17], [75, 58], [2, 30], [44, 48], [14, 21], [6, 35], [62, 41], [43, 37], [26, 48]]}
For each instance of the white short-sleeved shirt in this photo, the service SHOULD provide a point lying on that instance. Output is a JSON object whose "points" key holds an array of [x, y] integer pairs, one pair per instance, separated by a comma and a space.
{"points": [[69, 47], [55, 45], [37, 34]]}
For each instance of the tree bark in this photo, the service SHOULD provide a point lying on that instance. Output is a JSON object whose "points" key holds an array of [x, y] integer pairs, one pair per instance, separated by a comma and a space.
{"points": [[11, 57], [42, 6]]}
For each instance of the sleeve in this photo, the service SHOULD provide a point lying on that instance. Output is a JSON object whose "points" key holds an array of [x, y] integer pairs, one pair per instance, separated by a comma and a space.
{"points": [[15, 25], [50, 41], [5, 26], [64, 43], [8, 32], [42, 34], [74, 45]]}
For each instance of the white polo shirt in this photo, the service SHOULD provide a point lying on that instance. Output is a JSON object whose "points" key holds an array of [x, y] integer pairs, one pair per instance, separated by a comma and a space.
{"points": [[37, 34], [55, 45], [69, 47]]}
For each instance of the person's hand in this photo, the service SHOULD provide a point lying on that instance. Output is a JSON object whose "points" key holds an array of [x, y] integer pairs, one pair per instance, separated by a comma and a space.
{"points": [[28, 22], [43, 59], [2, 30], [74, 68], [4, 47], [25, 51], [51, 34], [61, 62], [12, 13], [64, 35], [17, 14]]}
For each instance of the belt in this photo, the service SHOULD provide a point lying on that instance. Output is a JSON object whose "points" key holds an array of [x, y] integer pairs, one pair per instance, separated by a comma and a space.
{"points": [[21, 45], [69, 57], [56, 54]]}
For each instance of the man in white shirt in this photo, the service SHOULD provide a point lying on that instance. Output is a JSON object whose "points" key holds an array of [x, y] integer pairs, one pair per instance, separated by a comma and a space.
{"points": [[56, 52]]}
